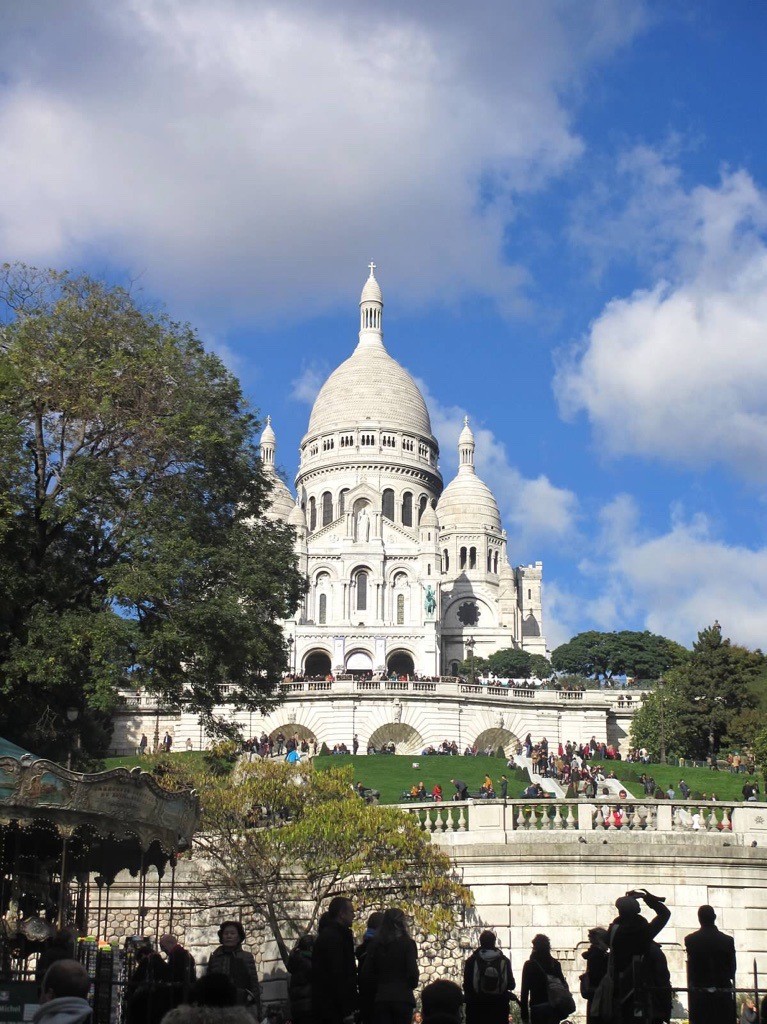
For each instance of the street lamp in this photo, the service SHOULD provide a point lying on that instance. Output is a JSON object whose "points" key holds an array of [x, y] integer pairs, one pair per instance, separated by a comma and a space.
{"points": [[291, 642], [662, 723], [470, 643], [73, 714]]}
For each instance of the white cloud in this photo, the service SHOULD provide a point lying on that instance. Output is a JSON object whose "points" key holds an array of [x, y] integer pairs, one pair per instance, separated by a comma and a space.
{"points": [[679, 371], [535, 511], [251, 156], [677, 581], [306, 386]]}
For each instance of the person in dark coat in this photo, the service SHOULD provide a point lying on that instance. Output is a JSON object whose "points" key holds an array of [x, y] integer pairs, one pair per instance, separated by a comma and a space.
{"points": [[710, 966], [60, 947], [632, 935], [367, 990], [483, 1007], [391, 968], [237, 964], [300, 983], [180, 963], [334, 972], [534, 995], [596, 957]]}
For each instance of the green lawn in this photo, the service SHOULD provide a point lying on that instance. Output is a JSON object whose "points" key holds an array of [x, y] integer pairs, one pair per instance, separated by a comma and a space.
{"points": [[700, 780], [392, 774]]}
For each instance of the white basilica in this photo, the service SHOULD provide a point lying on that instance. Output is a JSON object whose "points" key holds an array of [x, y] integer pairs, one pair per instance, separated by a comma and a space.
{"points": [[403, 576]]}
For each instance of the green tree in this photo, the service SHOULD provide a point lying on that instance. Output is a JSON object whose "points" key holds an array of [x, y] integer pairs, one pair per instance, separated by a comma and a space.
{"points": [[133, 549], [540, 667], [715, 684], [641, 655], [285, 839], [760, 750], [658, 724], [511, 663]]}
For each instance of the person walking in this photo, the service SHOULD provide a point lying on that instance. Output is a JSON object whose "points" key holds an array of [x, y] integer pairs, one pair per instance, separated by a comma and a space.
{"points": [[391, 968], [488, 982], [710, 971], [367, 990], [334, 972], [544, 997], [300, 982], [237, 964], [596, 957]]}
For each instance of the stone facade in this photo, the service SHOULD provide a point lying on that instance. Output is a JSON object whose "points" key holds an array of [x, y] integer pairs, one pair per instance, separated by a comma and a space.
{"points": [[401, 573], [527, 880]]}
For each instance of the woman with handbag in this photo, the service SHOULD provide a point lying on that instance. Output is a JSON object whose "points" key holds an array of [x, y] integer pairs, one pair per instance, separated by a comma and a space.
{"points": [[545, 997]]}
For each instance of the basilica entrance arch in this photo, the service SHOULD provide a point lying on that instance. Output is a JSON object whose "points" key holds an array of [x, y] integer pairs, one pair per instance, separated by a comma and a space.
{"points": [[317, 663], [495, 738], [404, 737], [359, 662], [290, 729], [401, 663]]}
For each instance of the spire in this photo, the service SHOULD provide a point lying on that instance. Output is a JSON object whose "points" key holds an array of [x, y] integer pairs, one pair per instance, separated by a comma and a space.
{"points": [[466, 448], [268, 443], [371, 311]]}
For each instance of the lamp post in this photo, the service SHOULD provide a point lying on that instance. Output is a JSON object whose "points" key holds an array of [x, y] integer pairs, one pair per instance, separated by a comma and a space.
{"points": [[73, 714], [470, 643], [291, 643], [662, 723], [711, 741]]}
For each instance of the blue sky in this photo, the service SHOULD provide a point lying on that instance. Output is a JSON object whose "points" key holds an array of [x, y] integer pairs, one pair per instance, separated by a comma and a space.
{"points": [[567, 203]]}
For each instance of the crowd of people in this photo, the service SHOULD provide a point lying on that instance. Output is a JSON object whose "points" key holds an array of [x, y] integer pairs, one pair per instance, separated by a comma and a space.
{"points": [[330, 981]]}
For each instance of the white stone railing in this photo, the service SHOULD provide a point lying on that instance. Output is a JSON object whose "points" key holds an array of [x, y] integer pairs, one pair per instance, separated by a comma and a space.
{"points": [[497, 818], [449, 686]]}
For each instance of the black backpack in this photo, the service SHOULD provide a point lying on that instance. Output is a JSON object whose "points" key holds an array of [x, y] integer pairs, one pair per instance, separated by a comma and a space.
{"points": [[491, 976]]}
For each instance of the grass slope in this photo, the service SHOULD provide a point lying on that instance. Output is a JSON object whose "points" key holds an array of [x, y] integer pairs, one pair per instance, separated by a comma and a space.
{"points": [[700, 780], [393, 774]]}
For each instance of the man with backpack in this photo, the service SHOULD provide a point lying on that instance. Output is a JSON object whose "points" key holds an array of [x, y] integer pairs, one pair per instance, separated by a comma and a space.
{"points": [[488, 982]]}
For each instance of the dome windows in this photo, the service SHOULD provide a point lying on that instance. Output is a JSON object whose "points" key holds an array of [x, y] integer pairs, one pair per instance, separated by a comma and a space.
{"points": [[327, 508], [387, 504], [367, 440], [347, 441], [388, 441], [408, 444]]}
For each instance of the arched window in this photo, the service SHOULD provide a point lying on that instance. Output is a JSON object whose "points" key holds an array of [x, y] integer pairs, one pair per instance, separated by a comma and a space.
{"points": [[312, 514], [445, 561], [407, 509], [472, 558], [463, 558], [423, 501], [323, 609], [400, 609], [327, 508], [490, 561], [362, 591], [387, 504], [495, 563], [342, 501]]}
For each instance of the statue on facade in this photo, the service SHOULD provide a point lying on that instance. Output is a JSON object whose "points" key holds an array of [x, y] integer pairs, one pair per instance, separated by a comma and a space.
{"points": [[430, 601], [363, 525]]}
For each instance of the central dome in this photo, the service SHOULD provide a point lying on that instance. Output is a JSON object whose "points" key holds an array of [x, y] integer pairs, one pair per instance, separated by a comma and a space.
{"points": [[370, 386]]}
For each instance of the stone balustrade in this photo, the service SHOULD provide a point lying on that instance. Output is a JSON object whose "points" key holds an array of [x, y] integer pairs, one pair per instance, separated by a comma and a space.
{"points": [[503, 819]]}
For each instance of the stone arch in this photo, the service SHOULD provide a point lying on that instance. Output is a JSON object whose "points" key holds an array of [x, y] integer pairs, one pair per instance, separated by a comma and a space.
{"points": [[405, 738], [359, 660], [497, 737], [294, 729], [401, 662], [317, 663]]}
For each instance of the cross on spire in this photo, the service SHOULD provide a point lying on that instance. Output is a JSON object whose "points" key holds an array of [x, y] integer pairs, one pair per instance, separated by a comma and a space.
{"points": [[372, 267]]}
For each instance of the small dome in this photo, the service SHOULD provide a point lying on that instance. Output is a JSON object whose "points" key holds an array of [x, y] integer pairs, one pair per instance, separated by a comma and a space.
{"points": [[268, 435], [372, 290], [429, 517], [297, 517], [467, 503], [281, 501], [467, 435]]}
